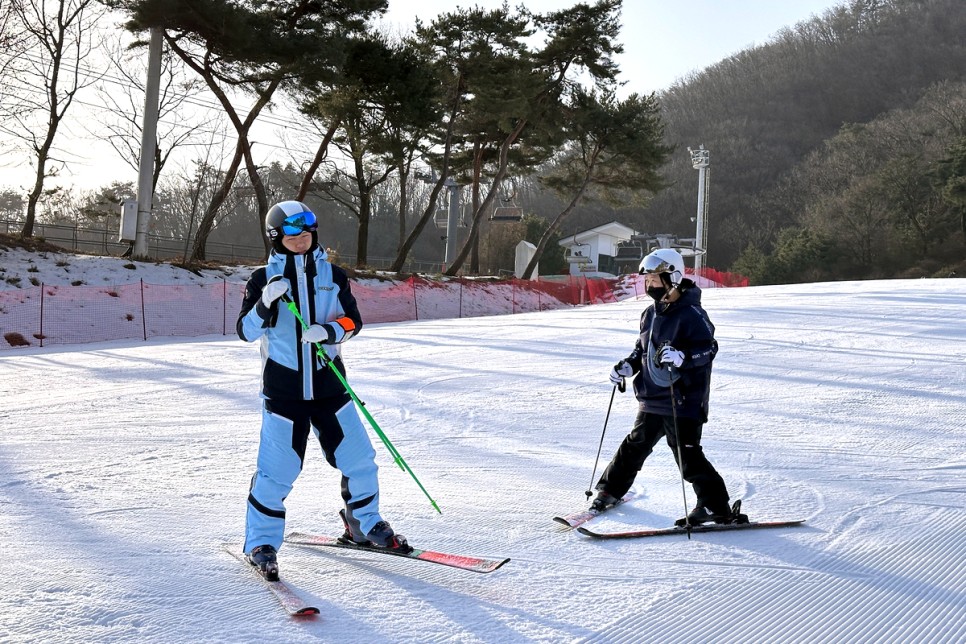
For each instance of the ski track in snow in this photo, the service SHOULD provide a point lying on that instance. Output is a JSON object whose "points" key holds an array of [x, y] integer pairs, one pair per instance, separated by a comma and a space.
{"points": [[126, 465]]}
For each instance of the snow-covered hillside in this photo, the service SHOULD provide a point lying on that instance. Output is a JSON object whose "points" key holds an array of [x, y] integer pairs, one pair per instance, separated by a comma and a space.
{"points": [[20, 268]]}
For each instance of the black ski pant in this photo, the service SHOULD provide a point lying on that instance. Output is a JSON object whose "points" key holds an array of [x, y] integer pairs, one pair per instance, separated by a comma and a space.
{"points": [[638, 445]]}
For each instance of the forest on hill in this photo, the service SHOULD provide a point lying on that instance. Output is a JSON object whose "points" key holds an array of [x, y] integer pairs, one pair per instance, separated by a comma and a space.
{"points": [[838, 149]]}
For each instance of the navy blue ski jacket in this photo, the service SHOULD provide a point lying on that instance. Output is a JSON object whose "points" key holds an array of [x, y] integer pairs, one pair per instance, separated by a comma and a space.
{"points": [[685, 325], [291, 370]]}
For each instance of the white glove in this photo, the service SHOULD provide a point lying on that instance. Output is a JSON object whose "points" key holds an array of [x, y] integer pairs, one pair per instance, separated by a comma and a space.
{"points": [[671, 356], [276, 288], [334, 332], [316, 333], [620, 371]]}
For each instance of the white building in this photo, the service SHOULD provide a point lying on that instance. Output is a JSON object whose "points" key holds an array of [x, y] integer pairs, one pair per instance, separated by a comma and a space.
{"points": [[591, 253]]}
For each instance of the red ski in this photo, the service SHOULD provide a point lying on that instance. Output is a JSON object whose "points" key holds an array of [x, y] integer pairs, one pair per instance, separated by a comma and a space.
{"points": [[703, 527], [288, 598], [473, 564], [577, 518]]}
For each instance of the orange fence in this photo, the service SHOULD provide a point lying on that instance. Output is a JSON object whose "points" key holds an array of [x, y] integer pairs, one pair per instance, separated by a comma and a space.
{"points": [[46, 315], [721, 278], [633, 285]]}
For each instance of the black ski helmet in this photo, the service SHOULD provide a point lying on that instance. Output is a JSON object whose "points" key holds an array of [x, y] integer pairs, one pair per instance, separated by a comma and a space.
{"points": [[278, 214]]}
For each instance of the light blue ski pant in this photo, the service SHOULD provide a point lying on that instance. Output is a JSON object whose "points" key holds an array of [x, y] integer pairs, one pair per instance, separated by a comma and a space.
{"points": [[281, 454]]}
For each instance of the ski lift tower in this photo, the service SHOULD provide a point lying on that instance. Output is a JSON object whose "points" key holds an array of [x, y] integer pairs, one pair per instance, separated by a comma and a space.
{"points": [[452, 220], [446, 219], [701, 161]]}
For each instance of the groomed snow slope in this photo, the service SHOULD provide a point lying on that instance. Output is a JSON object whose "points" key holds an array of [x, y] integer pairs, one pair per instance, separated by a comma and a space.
{"points": [[126, 465]]}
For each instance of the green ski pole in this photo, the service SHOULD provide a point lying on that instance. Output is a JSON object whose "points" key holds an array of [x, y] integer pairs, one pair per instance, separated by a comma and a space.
{"points": [[396, 456]]}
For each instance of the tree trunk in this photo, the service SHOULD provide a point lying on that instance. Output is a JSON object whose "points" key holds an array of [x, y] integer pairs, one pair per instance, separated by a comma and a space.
{"points": [[260, 197], [555, 224], [362, 242], [242, 148], [457, 262], [407, 245], [43, 154], [208, 220], [320, 155], [475, 240], [403, 201]]}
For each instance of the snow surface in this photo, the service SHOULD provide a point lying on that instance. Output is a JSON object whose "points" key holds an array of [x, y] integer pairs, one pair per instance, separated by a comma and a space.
{"points": [[125, 466], [20, 268]]}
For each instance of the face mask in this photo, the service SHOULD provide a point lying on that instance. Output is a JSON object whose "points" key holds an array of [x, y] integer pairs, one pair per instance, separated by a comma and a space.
{"points": [[657, 293]]}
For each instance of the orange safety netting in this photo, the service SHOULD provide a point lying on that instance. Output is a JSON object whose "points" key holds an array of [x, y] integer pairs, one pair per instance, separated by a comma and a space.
{"points": [[45, 315], [722, 278]]}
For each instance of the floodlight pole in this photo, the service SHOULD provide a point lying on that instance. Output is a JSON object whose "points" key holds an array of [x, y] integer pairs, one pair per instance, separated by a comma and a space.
{"points": [[701, 161], [148, 144]]}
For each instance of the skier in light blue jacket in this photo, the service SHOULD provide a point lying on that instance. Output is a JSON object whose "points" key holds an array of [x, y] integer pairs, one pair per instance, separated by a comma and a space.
{"points": [[300, 393]]}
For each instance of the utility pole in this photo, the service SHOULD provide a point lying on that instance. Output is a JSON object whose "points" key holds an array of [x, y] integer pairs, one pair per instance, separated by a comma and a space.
{"points": [[149, 133], [452, 220], [701, 161]]}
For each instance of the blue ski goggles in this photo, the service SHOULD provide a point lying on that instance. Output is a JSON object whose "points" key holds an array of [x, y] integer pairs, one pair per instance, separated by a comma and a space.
{"points": [[299, 223]]}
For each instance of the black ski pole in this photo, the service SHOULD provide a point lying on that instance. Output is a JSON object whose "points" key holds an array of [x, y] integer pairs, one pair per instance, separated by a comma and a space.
{"points": [[677, 439], [589, 493]]}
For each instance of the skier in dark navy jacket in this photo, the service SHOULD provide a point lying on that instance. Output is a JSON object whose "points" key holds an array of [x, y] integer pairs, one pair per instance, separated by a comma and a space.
{"points": [[300, 393], [676, 346]]}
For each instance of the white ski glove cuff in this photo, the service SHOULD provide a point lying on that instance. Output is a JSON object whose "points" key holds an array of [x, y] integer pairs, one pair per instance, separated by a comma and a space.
{"points": [[671, 356]]}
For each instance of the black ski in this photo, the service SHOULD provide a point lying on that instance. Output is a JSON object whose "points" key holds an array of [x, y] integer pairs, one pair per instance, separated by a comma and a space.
{"points": [[288, 598], [474, 564], [577, 518], [703, 527]]}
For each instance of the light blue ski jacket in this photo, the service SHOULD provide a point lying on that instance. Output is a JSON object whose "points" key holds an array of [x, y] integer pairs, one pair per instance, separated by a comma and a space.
{"points": [[290, 368]]}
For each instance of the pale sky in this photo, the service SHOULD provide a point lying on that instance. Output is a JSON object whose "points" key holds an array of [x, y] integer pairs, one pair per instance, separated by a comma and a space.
{"points": [[663, 40]]}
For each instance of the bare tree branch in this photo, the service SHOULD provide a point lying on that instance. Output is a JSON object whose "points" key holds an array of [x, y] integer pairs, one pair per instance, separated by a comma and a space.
{"points": [[48, 76]]}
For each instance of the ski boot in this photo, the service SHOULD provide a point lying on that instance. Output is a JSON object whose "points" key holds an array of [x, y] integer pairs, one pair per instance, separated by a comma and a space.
{"points": [[264, 560], [718, 514], [702, 514], [381, 536], [603, 501], [736, 515]]}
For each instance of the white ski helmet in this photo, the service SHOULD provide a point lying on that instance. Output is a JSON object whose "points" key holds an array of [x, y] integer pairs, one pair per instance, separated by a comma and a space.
{"points": [[664, 261]]}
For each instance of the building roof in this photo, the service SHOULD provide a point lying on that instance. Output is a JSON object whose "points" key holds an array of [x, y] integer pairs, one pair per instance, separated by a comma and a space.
{"points": [[613, 229]]}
